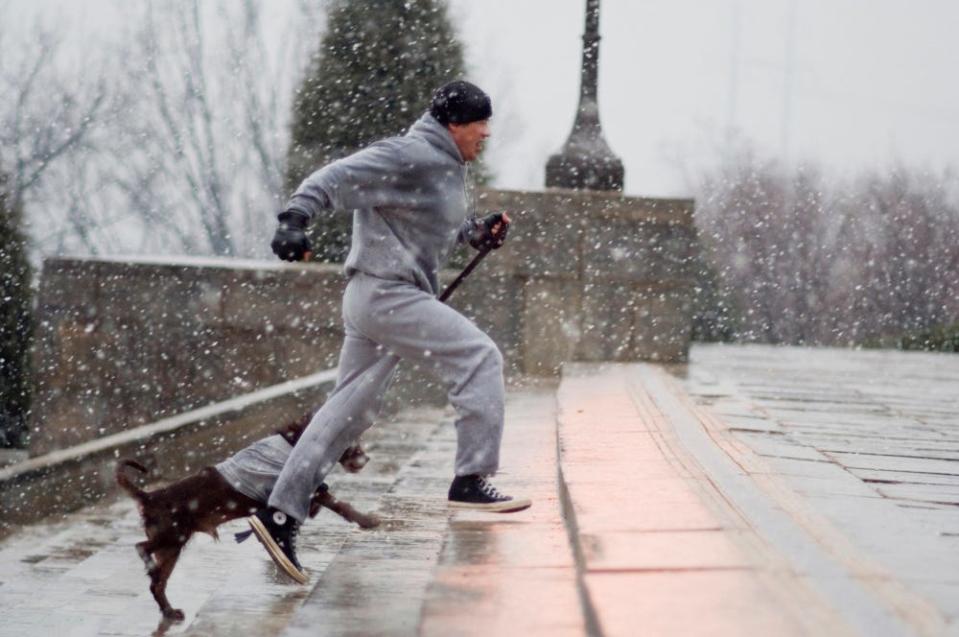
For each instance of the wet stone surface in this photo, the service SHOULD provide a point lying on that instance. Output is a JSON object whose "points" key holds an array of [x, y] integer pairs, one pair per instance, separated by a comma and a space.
{"points": [[757, 490], [664, 548], [425, 570], [869, 438], [81, 575], [511, 574]]}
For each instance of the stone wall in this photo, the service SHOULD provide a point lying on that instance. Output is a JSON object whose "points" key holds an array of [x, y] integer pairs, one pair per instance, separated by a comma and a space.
{"points": [[121, 343], [125, 341]]}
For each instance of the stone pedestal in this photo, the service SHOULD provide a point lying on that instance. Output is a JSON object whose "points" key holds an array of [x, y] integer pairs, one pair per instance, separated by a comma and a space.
{"points": [[604, 277]]}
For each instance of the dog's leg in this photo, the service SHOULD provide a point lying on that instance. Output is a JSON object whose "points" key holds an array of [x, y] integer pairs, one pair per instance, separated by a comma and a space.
{"points": [[166, 560], [346, 511]]}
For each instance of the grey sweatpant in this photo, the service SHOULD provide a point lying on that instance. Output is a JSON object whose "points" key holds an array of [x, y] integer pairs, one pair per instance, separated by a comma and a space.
{"points": [[386, 321]]}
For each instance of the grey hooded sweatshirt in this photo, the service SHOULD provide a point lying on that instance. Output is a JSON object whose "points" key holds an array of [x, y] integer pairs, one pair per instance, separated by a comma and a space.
{"points": [[408, 199]]}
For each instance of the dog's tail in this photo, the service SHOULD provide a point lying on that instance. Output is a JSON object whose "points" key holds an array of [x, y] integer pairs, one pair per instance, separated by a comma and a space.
{"points": [[126, 484]]}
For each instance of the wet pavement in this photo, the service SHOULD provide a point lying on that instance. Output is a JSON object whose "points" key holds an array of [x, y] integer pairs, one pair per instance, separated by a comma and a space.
{"points": [[81, 576], [862, 447], [757, 490], [432, 571], [511, 574], [662, 549]]}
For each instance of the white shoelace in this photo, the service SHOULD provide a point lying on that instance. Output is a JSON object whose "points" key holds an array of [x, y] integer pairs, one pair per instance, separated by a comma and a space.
{"points": [[490, 490]]}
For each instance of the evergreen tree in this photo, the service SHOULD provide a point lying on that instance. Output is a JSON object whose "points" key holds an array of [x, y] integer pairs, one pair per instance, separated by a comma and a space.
{"points": [[15, 324], [374, 74]]}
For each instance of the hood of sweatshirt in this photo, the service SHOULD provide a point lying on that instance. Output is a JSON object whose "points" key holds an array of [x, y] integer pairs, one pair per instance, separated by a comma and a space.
{"points": [[437, 135]]}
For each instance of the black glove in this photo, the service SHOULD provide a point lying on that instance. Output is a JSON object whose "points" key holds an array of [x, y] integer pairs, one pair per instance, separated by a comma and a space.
{"points": [[290, 242], [480, 234]]}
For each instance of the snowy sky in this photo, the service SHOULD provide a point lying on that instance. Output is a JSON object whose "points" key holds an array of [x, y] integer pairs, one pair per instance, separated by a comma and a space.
{"points": [[850, 83]]}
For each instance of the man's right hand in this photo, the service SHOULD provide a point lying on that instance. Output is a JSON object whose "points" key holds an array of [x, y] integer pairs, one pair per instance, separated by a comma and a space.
{"points": [[290, 242], [489, 232]]}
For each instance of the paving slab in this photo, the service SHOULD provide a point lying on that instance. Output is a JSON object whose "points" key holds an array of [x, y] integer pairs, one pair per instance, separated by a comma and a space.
{"points": [[711, 602]]}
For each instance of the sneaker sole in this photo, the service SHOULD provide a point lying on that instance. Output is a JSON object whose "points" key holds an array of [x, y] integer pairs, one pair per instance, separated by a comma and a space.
{"points": [[276, 553], [511, 506]]}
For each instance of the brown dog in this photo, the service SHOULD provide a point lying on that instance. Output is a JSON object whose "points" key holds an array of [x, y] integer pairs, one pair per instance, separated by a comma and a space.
{"points": [[205, 500]]}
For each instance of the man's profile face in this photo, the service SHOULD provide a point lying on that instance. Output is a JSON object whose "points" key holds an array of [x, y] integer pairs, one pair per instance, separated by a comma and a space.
{"points": [[469, 138]]}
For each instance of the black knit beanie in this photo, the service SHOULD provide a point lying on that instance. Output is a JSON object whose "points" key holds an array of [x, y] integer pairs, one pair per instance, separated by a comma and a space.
{"points": [[460, 102]]}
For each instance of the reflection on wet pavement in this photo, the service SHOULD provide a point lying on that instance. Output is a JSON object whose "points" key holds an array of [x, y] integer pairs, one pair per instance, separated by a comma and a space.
{"points": [[511, 574]]}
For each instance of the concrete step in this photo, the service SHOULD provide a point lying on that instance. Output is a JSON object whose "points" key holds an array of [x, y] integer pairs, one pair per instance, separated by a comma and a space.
{"points": [[511, 574], [882, 507]]}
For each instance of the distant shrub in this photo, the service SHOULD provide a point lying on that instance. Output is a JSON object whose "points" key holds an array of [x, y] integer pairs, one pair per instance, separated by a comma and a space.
{"points": [[942, 338]]}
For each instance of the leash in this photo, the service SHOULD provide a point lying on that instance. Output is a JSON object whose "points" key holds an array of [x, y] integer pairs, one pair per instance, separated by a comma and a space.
{"points": [[462, 275]]}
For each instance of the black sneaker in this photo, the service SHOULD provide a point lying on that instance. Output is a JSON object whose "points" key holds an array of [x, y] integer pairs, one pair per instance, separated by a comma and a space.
{"points": [[277, 531], [476, 492]]}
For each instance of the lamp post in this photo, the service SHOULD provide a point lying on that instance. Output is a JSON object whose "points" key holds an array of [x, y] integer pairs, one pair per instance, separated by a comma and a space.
{"points": [[586, 161]]}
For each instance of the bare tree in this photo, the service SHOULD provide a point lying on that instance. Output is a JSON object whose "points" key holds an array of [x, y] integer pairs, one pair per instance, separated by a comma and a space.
{"points": [[46, 116], [45, 119], [201, 148], [905, 243], [812, 261]]}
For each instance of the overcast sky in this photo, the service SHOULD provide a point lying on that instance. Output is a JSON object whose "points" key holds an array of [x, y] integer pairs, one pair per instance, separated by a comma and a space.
{"points": [[849, 83]]}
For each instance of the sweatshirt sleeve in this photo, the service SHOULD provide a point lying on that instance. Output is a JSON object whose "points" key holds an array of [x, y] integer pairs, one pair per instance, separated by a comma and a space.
{"points": [[375, 176], [467, 230]]}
